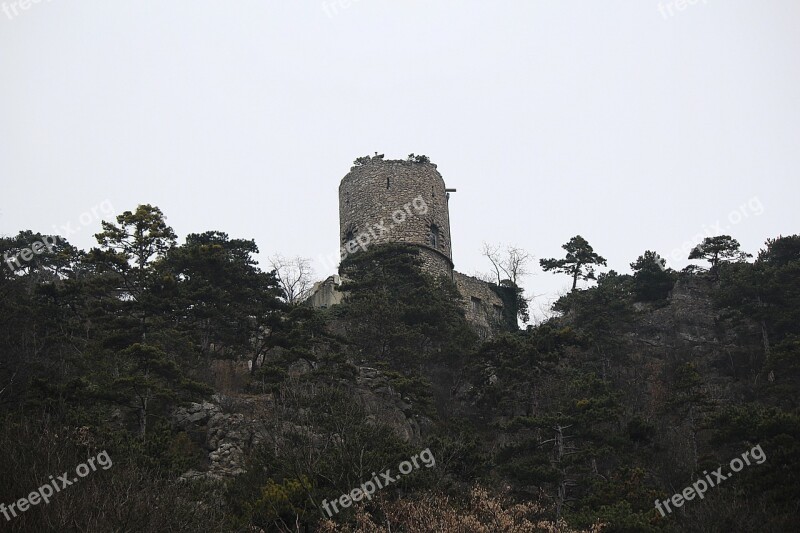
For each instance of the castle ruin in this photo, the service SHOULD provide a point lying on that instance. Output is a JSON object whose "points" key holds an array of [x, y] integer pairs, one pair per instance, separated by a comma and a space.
{"points": [[406, 201]]}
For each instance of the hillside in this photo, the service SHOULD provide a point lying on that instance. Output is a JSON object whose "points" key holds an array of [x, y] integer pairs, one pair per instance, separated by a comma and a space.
{"points": [[217, 405]]}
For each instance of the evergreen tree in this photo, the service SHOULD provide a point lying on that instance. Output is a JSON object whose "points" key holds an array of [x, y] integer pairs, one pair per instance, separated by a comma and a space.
{"points": [[579, 261], [397, 312], [718, 249], [224, 300], [651, 279]]}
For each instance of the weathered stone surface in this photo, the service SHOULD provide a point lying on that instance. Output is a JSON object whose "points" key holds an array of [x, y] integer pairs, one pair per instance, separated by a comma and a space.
{"points": [[195, 413], [233, 426], [326, 293], [385, 405], [228, 435], [397, 202], [483, 307]]}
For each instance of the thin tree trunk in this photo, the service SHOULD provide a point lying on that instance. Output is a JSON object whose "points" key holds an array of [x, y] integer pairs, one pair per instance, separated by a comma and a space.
{"points": [[143, 417]]}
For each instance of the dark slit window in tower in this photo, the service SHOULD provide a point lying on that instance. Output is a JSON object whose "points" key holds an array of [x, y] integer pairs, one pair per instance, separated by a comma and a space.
{"points": [[387, 182], [434, 236], [349, 235]]}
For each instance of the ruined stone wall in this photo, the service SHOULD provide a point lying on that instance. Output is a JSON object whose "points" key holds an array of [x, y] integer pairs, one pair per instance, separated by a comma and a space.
{"points": [[326, 293], [396, 201], [435, 264], [484, 308]]}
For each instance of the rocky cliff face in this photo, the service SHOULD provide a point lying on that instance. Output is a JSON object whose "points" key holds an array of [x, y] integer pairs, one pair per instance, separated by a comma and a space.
{"points": [[685, 330], [226, 436], [649, 374], [692, 349], [228, 428]]}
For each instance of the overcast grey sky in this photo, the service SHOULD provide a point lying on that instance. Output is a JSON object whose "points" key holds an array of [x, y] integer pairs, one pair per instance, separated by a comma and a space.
{"points": [[634, 123]]}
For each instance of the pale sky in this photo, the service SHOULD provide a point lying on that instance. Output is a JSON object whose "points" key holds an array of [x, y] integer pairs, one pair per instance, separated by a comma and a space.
{"points": [[636, 128]]}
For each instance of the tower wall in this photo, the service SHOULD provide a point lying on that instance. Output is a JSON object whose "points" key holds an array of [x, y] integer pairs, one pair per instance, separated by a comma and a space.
{"points": [[397, 202]]}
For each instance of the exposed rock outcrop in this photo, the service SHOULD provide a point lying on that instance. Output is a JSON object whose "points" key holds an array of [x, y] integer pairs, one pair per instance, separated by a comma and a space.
{"points": [[230, 427]]}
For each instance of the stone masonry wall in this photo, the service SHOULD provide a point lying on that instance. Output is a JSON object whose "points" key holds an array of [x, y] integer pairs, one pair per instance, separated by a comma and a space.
{"points": [[326, 293], [484, 308], [395, 201], [382, 201]]}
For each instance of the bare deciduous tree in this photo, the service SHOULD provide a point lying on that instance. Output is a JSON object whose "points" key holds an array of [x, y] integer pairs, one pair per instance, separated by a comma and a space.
{"points": [[294, 276], [509, 263]]}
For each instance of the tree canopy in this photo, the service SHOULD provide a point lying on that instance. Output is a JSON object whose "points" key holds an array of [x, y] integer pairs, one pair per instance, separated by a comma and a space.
{"points": [[579, 262], [718, 249]]}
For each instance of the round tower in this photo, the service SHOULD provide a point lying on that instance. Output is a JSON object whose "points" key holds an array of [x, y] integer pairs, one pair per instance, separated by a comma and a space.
{"points": [[394, 201]]}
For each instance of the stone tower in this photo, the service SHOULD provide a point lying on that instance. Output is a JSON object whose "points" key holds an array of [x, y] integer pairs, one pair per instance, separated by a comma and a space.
{"points": [[395, 201]]}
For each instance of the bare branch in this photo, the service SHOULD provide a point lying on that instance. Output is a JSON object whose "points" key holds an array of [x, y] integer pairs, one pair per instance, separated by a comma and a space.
{"points": [[509, 263], [492, 253], [294, 276]]}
